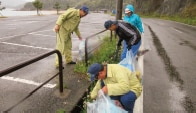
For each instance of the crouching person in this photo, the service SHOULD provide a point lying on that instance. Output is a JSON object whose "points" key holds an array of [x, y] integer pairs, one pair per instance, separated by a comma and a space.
{"points": [[118, 82]]}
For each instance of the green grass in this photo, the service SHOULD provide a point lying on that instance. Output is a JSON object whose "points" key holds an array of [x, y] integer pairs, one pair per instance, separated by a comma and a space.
{"points": [[104, 54], [177, 18]]}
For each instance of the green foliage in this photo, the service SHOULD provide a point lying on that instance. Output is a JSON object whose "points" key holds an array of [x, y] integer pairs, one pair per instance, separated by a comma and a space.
{"points": [[104, 54], [1, 8], [38, 5], [190, 10], [57, 7], [177, 18], [61, 111]]}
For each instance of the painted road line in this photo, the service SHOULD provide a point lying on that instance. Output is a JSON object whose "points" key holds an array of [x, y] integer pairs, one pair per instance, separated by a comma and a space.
{"points": [[27, 81], [41, 35], [34, 33], [176, 30], [34, 47], [41, 31], [12, 36], [8, 28]]}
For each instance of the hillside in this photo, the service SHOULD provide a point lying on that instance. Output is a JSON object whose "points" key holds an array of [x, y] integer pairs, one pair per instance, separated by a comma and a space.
{"points": [[186, 8]]}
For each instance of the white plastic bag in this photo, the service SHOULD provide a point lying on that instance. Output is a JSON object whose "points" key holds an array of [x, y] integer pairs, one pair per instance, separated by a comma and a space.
{"points": [[129, 61], [81, 51], [103, 104]]}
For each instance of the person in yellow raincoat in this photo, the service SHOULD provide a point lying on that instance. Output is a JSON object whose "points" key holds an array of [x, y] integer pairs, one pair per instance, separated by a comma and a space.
{"points": [[67, 23], [116, 81]]}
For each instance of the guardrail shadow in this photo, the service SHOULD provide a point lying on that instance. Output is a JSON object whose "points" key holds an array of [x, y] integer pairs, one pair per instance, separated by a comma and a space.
{"points": [[21, 65]]}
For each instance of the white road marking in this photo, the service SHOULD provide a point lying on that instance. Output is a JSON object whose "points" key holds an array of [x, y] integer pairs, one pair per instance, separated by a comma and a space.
{"points": [[32, 33], [41, 31], [27, 81], [176, 30], [41, 35], [12, 36], [8, 28], [28, 46]]}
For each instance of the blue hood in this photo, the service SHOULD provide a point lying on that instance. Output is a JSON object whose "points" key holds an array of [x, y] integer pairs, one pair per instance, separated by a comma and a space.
{"points": [[130, 7]]}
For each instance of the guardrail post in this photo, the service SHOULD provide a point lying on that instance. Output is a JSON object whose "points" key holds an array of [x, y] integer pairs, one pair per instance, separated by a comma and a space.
{"points": [[86, 53], [60, 72], [110, 35]]}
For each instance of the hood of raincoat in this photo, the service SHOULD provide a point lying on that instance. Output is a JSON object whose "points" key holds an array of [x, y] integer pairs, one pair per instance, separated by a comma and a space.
{"points": [[130, 7]]}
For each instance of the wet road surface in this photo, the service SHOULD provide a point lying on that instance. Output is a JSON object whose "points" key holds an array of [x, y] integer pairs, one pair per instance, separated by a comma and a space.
{"points": [[169, 68]]}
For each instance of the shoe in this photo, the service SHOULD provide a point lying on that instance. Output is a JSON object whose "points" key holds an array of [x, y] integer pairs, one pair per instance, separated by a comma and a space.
{"points": [[57, 67], [72, 62], [142, 52]]}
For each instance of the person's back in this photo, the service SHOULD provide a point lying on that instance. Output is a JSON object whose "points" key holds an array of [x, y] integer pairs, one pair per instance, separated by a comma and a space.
{"points": [[125, 31], [116, 70], [116, 81], [69, 20]]}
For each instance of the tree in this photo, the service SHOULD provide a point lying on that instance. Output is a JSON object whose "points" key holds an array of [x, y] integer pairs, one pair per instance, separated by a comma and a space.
{"points": [[57, 7], [38, 5], [1, 8]]}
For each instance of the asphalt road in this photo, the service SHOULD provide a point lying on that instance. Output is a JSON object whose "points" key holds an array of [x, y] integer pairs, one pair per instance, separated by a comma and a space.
{"points": [[169, 68]]}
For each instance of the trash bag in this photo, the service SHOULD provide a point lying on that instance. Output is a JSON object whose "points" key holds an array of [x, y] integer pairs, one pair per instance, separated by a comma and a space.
{"points": [[81, 51], [103, 104], [129, 61]]}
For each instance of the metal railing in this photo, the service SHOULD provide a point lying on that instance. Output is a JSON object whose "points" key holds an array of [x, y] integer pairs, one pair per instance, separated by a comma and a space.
{"points": [[21, 65], [86, 44]]}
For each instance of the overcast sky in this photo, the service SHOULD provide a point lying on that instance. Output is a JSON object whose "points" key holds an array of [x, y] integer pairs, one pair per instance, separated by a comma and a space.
{"points": [[14, 3]]}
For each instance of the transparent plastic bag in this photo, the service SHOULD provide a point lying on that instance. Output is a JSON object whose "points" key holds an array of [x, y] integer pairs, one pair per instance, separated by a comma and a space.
{"points": [[129, 61], [103, 104], [81, 51]]}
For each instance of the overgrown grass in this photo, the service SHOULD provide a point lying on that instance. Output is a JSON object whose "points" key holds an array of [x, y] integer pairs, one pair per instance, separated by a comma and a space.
{"points": [[104, 53], [177, 18]]}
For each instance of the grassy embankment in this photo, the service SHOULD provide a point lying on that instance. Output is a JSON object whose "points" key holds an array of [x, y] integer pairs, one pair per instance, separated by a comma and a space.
{"points": [[187, 16], [177, 18], [105, 53]]}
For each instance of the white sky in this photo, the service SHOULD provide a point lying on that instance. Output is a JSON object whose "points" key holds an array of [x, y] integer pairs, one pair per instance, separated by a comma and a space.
{"points": [[29, 0]]}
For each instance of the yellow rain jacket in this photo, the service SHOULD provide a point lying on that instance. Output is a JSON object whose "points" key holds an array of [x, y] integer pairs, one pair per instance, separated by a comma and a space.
{"points": [[119, 81], [69, 22]]}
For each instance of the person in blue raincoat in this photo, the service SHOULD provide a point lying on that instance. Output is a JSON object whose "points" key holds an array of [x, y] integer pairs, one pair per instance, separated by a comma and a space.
{"points": [[135, 20]]}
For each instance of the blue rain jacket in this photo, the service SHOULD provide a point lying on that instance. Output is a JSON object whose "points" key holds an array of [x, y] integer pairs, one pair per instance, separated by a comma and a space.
{"points": [[134, 19]]}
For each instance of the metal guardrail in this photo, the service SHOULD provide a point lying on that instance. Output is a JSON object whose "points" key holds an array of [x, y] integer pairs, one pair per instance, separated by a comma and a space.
{"points": [[86, 42], [21, 65]]}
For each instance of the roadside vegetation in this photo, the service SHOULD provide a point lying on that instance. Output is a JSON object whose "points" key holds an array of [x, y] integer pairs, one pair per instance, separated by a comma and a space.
{"points": [[186, 15], [1, 8], [105, 53], [176, 18]]}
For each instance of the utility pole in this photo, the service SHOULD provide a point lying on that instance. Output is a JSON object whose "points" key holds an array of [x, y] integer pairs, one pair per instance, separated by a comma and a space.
{"points": [[119, 6]]}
